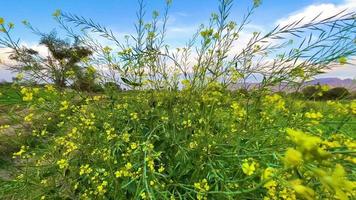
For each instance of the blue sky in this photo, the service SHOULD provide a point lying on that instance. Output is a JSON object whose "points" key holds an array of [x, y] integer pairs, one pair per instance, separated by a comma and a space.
{"points": [[185, 15], [120, 14]]}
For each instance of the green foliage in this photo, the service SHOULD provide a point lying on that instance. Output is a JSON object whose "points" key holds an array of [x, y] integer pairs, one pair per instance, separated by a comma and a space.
{"points": [[318, 92], [178, 133], [336, 93], [145, 61], [163, 145]]}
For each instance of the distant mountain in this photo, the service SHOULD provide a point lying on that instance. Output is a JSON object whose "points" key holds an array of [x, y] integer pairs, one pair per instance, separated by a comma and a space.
{"points": [[334, 82]]}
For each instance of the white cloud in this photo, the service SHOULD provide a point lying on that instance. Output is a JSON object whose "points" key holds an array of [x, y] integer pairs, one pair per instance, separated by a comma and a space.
{"points": [[6, 74], [325, 10], [180, 34], [341, 71], [5, 52], [310, 12]]}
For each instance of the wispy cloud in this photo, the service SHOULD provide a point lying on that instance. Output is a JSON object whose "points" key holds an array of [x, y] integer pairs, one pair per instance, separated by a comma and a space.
{"points": [[6, 74], [325, 10], [342, 71], [310, 12]]}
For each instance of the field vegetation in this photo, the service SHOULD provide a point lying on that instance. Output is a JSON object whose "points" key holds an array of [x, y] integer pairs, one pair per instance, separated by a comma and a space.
{"points": [[159, 123]]}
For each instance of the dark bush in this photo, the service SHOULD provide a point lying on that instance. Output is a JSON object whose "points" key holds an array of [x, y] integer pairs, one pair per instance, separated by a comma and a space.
{"points": [[310, 92], [296, 95], [317, 93], [352, 96], [336, 93], [112, 86]]}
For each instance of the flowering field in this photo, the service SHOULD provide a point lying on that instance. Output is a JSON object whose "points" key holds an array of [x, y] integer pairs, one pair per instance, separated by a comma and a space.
{"points": [[178, 145], [93, 115]]}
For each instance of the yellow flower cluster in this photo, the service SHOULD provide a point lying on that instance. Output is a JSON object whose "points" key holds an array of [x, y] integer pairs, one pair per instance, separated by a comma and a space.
{"points": [[101, 189], [293, 158], [309, 149], [134, 116], [202, 187], [29, 117], [301, 190], [314, 117], [275, 101], [353, 107], [62, 163], [20, 153], [125, 171], [64, 106], [50, 88], [248, 167], [238, 111], [3, 127], [85, 169], [27, 94], [336, 182], [307, 145]]}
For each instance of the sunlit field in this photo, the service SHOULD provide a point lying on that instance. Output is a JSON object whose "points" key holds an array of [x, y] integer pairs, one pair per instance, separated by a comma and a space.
{"points": [[158, 123]]}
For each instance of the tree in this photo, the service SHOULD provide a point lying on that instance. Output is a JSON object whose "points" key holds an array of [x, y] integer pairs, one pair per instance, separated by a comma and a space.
{"points": [[61, 66], [63, 61]]}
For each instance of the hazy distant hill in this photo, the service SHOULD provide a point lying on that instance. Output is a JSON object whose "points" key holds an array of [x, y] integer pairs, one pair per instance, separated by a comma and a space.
{"points": [[332, 82]]}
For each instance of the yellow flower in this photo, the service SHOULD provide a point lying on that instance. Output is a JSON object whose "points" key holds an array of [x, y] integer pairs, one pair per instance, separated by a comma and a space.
{"points": [[2, 127], [287, 194], [62, 163], [342, 60], [274, 100], [56, 13], [133, 145], [107, 49], [126, 137], [27, 94], [307, 145], [353, 107], [336, 182], [238, 111], [65, 105], [186, 84], [128, 166], [21, 152], [134, 116], [247, 168], [301, 190], [267, 174], [36, 90], [49, 88], [29, 117], [202, 186], [118, 174], [85, 169], [143, 195], [2, 21], [101, 189], [293, 158], [28, 97], [314, 115], [161, 169]]}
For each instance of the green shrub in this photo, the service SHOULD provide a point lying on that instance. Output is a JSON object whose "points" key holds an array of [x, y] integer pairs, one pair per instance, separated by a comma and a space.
{"points": [[336, 94]]}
